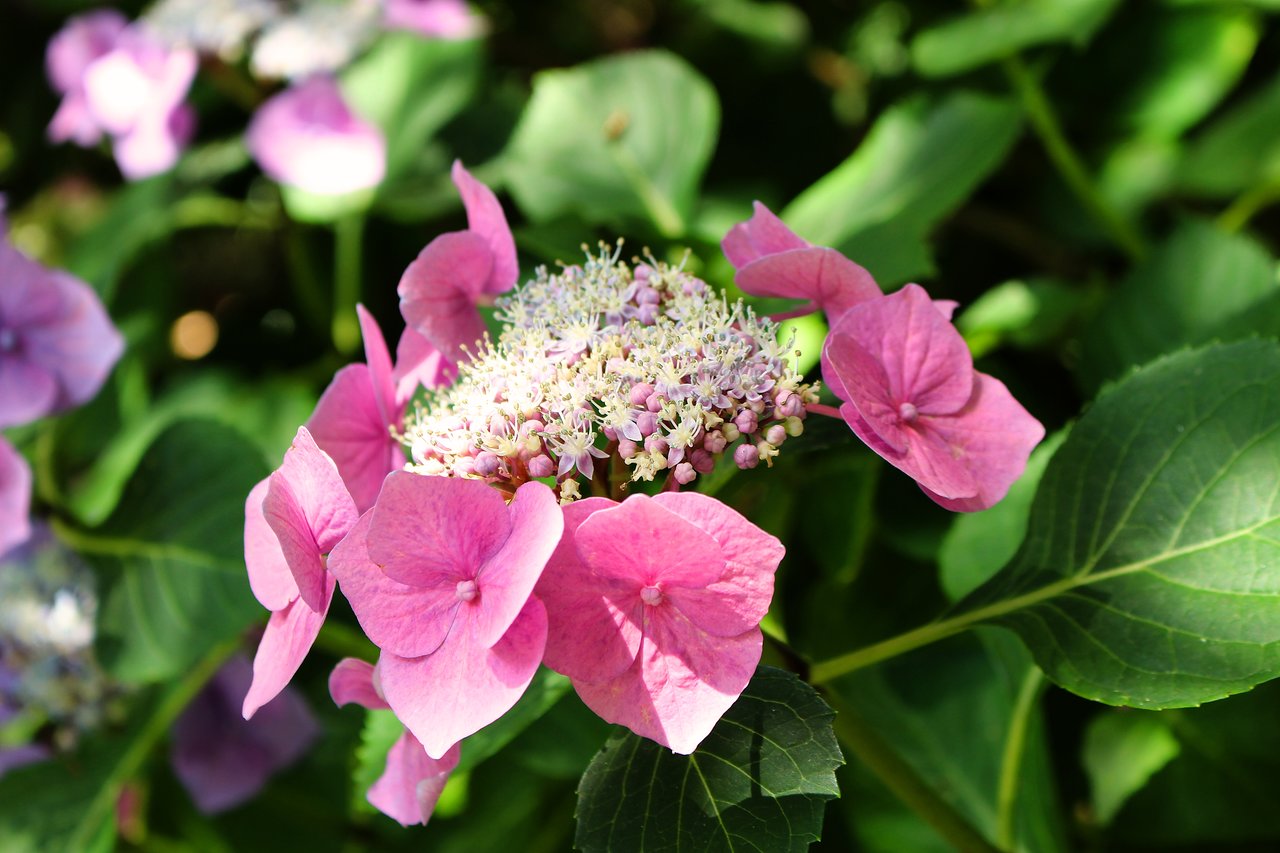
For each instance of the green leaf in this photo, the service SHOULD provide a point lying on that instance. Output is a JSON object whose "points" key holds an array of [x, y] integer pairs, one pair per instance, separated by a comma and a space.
{"points": [[1150, 574], [920, 160], [995, 32], [174, 552], [544, 691], [380, 732], [1237, 151], [1122, 749], [1198, 279], [622, 137], [760, 780]]}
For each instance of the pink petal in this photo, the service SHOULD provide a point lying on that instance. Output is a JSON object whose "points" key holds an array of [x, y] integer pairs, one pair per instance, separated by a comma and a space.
{"points": [[352, 681], [681, 683], [269, 576], [996, 435], [310, 511], [285, 643], [508, 576], [436, 531], [863, 382], [348, 425], [590, 636], [409, 788], [740, 597], [419, 364], [462, 687], [927, 459], [405, 620], [643, 542], [762, 235], [81, 40], [15, 497], [438, 292], [485, 218], [28, 391], [448, 19], [824, 276], [378, 358]]}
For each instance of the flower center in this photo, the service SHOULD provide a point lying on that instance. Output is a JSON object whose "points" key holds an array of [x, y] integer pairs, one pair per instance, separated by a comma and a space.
{"points": [[467, 590], [651, 596], [908, 412]]}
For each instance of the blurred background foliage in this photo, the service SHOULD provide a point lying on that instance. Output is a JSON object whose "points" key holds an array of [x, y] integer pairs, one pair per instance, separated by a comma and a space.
{"points": [[1093, 181]]}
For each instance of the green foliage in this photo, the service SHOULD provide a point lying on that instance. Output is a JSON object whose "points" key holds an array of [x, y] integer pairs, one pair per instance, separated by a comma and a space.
{"points": [[1122, 750], [761, 779]]}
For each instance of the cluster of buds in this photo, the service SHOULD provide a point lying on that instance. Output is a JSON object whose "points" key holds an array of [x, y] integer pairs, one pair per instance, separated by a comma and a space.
{"points": [[646, 366]]}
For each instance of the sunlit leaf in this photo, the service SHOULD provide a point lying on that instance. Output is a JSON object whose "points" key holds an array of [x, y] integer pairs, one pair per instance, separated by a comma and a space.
{"points": [[1121, 752]]}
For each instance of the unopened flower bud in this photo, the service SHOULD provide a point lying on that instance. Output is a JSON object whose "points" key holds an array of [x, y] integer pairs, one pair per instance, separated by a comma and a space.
{"points": [[794, 425], [653, 403], [776, 434], [746, 421], [627, 448], [486, 464], [647, 422], [640, 394], [703, 462], [745, 456], [714, 441], [730, 433], [541, 466], [685, 474], [656, 444]]}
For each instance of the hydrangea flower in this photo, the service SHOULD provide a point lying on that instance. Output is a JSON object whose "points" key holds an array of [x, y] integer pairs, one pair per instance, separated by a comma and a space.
{"points": [[654, 607], [446, 19], [293, 519], [308, 137], [15, 497], [440, 575], [57, 343], [410, 787], [913, 396], [222, 759], [82, 40]]}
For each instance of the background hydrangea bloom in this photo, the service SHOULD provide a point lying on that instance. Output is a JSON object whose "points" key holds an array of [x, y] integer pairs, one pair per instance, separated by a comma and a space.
{"points": [[82, 40], [449, 19]]}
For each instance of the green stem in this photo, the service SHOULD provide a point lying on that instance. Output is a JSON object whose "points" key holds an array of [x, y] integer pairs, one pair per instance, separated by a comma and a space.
{"points": [[1069, 164], [340, 641], [170, 706], [348, 235], [1015, 747], [46, 480], [1247, 206], [306, 283], [900, 778]]}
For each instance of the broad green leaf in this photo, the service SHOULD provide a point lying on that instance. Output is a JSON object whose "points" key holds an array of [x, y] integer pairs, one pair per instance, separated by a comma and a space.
{"points": [[544, 691], [995, 32], [1199, 278], [760, 780], [1122, 749], [1238, 151], [380, 732], [1023, 313], [625, 137], [173, 552], [918, 162], [1150, 574], [772, 24]]}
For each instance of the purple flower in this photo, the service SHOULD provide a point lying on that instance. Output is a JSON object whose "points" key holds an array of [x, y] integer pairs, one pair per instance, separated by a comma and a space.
{"points": [[57, 343], [15, 498], [223, 760], [445, 19], [307, 137]]}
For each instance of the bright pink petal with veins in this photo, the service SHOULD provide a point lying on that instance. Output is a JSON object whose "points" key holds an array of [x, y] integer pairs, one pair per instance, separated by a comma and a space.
{"points": [[419, 364], [15, 497], [348, 425], [409, 621], [378, 358], [269, 576], [485, 218], [824, 276], [740, 597], [285, 643], [641, 541], [508, 576], [310, 510], [438, 292], [436, 531], [762, 235], [352, 681], [462, 687], [864, 383], [407, 791], [928, 460]]}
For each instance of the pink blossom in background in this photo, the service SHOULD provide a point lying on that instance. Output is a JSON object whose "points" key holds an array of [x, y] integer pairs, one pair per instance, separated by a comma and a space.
{"points": [[57, 344], [308, 137], [654, 607], [772, 261], [293, 519], [446, 19], [410, 787], [71, 51], [15, 497], [222, 759], [441, 288], [440, 575], [913, 396]]}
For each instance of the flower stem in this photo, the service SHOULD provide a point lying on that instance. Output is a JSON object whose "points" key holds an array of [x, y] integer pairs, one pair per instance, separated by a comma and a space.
{"points": [[1248, 204], [348, 235], [1015, 747], [820, 409]]}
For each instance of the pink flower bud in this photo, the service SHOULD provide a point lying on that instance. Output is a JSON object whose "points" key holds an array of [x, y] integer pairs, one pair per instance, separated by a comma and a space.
{"points": [[541, 466], [703, 462], [627, 448], [640, 394], [746, 457], [714, 441], [776, 434], [685, 474], [746, 421]]}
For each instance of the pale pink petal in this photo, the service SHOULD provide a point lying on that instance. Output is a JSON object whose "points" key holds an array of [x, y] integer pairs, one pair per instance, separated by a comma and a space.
{"points": [[739, 599], [74, 122], [641, 541], [405, 620], [438, 292], [419, 364], [15, 497], [352, 681], [409, 788], [508, 576], [681, 683], [285, 643], [863, 382], [995, 435], [824, 276], [485, 218], [348, 425], [81, 40], [436, 531], [462, 687], [927, 459], [269, 576], [761, 235], [310, 511]]}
